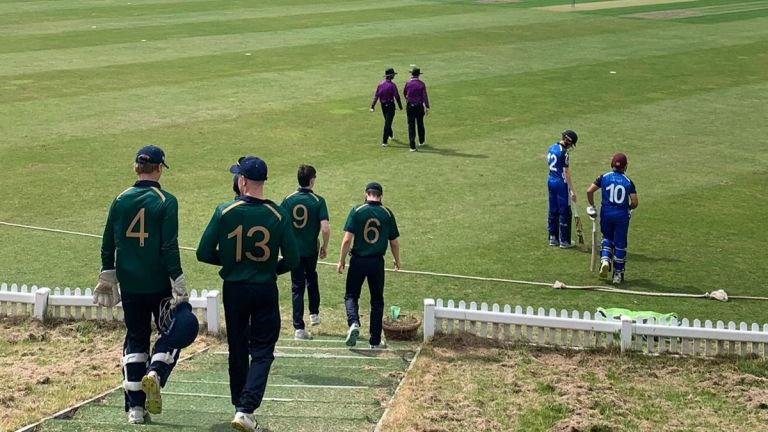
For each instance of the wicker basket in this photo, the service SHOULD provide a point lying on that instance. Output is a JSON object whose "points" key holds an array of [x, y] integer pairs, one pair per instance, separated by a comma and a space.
{"points": [[405, 328]]}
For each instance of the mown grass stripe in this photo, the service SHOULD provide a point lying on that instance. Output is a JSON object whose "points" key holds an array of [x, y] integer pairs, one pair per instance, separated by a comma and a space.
{"points": [[76, 58], [204, 17], [94, 37], [201, 101]]}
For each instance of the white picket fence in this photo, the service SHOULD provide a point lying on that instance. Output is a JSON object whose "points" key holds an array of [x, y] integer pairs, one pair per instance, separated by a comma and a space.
{"points": [[583, 330], [42, 303]]}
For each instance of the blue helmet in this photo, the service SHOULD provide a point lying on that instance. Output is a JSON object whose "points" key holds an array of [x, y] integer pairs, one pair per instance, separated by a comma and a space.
{"points": [[178, 324]]}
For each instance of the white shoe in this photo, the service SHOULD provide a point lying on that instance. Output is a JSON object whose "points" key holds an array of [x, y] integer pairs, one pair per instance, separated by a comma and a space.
{"points": [[245, 423], [618, 277], [352, 334], [150, 385], [422, 144], [137, 415], [384, 145], [301, 334], [564, 245], [605, 267], [314, 319], [413, 149], [381, 345]]}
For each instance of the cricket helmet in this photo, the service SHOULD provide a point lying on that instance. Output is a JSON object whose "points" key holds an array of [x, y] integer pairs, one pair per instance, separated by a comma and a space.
{"points": [[619, 162], [571, 136], [178, 324]]}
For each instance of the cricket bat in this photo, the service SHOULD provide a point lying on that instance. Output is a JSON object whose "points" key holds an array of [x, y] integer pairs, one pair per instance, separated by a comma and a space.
{"points": [[593, 260], [579, 229]]}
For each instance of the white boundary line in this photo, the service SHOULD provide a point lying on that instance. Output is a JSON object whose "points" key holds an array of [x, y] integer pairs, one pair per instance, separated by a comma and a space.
{"points": [[312, 386], [323, 356], [67, 412], [399, 385], [332, 348]]}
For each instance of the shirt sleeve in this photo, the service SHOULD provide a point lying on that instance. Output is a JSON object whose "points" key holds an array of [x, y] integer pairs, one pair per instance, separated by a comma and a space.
{"points": [[376, 97], [426, 98], [405, 90], [208, 249], [289, 250], [566, 159], [323, 211], [397, 97], [349, 226], [108, 242], [170, 244], [599, 181], [632, 188], [393, 232]]}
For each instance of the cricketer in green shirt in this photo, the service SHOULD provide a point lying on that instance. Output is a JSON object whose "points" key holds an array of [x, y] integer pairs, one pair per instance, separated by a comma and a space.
{"points": [[246, 237], [141, 239], [373, 226], [308, 210]]}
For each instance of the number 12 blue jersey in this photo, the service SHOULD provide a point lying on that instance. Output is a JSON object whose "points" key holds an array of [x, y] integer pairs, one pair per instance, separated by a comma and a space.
{"points": [[557, 159], [616, 190]]}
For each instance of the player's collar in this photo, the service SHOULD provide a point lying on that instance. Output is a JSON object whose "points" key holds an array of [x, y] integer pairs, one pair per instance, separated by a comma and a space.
{"points": [[146, 183], [252, 200], [304, 189], [376, 203]]}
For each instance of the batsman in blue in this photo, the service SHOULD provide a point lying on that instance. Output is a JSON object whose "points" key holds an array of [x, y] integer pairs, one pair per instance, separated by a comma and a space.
{"points": [[619, 198], [561, 192]]}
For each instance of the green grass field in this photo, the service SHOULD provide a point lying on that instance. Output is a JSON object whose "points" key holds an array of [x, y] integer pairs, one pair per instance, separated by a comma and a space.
{"points": [[87, 82]]}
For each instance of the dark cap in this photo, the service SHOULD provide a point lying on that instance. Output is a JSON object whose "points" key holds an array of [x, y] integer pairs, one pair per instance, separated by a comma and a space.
{"points": [[415, 71], [151, 154], [251, 168], [619, 162], [390, 72], [373, 186], [571, 135]]}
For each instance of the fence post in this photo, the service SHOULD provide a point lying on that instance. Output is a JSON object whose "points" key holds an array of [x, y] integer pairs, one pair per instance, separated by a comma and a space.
{"points": [[212, 311], [429, 319], [626, 333], [41, 304]]}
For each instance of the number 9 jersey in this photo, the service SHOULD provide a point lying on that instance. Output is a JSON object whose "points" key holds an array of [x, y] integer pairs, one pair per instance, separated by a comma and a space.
{"points": [[616, 189], [246, 237], [142, 230]]}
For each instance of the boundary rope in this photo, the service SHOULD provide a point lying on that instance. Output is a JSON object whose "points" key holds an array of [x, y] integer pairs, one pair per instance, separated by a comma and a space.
{"points": [[716, 295]]}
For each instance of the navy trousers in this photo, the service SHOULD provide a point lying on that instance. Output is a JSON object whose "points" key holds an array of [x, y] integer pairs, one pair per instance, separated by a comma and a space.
{"points": [[388, 110], [304, 277], [252, 314], [415, 114], [139, 311], [559, 217], [360, 269]]}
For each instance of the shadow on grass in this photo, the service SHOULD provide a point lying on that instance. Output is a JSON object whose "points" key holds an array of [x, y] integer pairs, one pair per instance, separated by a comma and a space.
{"points": [[450, 152]]}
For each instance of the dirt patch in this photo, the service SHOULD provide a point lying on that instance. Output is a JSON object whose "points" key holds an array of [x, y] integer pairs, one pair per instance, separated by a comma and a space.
{"points": [[610, 4], [46, 368], [521, 388]]}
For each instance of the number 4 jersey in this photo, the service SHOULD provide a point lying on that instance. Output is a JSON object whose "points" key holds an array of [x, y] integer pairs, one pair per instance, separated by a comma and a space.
{"points": [[373, 226], [246, 238], [616, 189], [141, 239]]}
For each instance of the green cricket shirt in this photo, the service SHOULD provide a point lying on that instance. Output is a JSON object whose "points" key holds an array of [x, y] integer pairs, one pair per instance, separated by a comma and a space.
{"points": [[246, 237], [140, 239], [307, 210], [373, 226]]}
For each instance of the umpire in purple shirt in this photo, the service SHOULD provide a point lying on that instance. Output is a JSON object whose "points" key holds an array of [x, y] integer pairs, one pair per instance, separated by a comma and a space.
{"points": [[415, 92], [387, 93]]}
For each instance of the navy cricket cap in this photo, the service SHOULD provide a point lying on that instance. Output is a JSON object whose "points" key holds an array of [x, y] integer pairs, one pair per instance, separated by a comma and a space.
{"points": [[151, 154], [374, 186], [251, 168], [571, 135]]}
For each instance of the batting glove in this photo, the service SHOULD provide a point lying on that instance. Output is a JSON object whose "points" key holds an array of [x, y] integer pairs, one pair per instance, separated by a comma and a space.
{"points": [[107, 293], [180, 290], [591, 211]]}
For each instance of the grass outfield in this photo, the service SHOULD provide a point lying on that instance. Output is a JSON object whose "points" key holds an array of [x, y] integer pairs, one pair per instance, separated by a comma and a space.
{"points": [[87, 82]]}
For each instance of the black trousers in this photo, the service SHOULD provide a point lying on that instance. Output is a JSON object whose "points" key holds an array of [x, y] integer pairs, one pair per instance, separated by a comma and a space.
{"points": [[360, 269], [304, 276], [139, 311], [252, 314], [388, 110], [415, 115]]}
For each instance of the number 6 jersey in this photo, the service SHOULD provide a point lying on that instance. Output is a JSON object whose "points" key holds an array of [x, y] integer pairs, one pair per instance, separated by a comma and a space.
{"points": [[373, 226], [246, 237], [141, 239]]}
